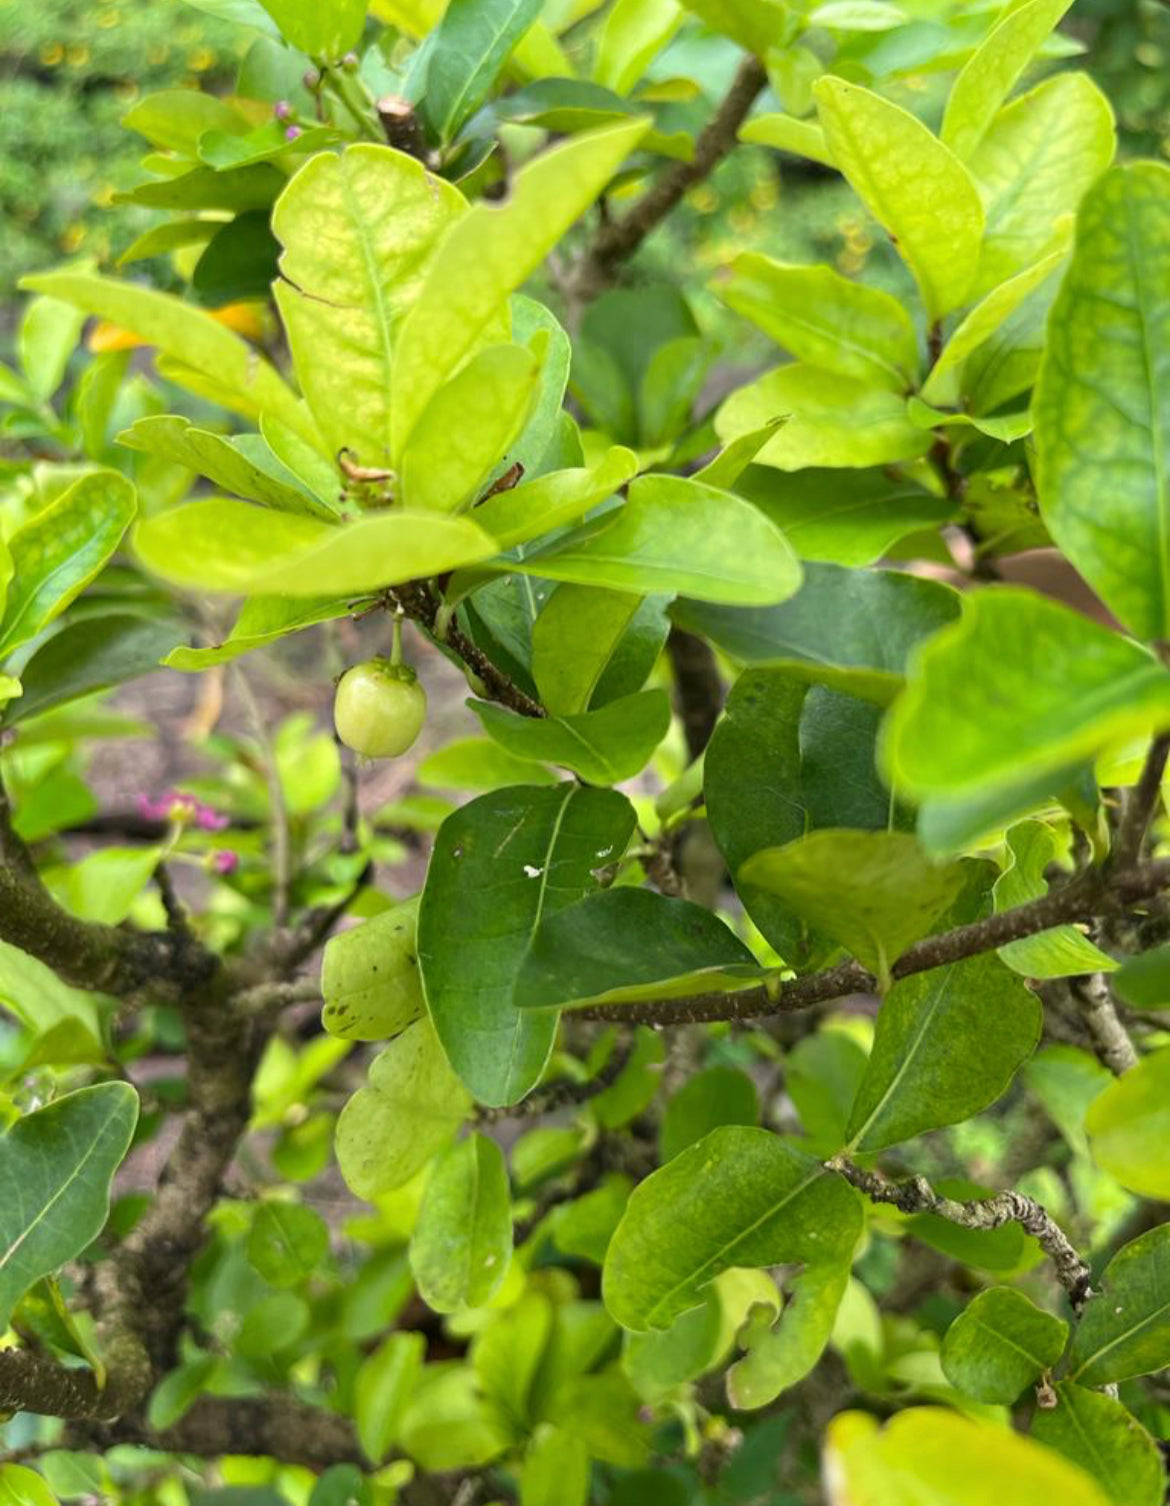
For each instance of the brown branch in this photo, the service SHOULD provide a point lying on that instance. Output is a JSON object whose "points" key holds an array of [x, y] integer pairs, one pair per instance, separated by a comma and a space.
{"points": [[1140, 806], [1083, 898], [31, 1382], [698, 687], [421, 604], [560, 1095], [1111, 1042], [618, 239], [916, 1195]]}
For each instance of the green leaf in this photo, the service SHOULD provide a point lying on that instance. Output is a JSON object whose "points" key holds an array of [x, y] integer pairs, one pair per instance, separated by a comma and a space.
{"points": [[625, 944], [551, 501], [1034, 166], [757, 25], [1103, 427], [467, 428], [603, 747], [912, 184], [1000, 1343], [243, 377], [499, 866], [466, 54], [574, 638], [783, 1355], [462, 1243], [1127, 1126], [1061, 952], [287, 1242], [556, 1469], [1020, 687], [927, 1455], [825, 319], [803, 138], [993, 69], [634, 31], [1144, 980], [383, 1389], [223, 545], [93, 654], [477, 763], [947, 1044], [488, 254], [712, 1097], [411, 1107], [370, 979], [211, 455], [23, 1487], [850, 629], [262, 620], [47, 338], [322, 31], [360, 230], [822, 1074], [873, 891], [832, 420], [56, 1166], [674, 535], [60, 550], [1125, 1330], [1102, 1435], [738, 1197], [40, 1001], [1066, 1080], [105, 885]]}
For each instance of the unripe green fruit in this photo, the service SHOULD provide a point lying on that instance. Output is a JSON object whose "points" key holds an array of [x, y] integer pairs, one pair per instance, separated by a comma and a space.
{"points": [[369, 977], [379, 708]]}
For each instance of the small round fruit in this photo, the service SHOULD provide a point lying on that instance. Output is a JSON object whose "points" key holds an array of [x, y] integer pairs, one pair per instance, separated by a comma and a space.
{"points": [[379, 708]]}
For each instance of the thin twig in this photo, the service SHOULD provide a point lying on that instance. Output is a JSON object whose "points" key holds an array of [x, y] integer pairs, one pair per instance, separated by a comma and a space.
{"points": [[1140, 806], [916, 1195], [559, 1095], [1111, 1041], [278, 808], [176, 911], [1081, 899]]}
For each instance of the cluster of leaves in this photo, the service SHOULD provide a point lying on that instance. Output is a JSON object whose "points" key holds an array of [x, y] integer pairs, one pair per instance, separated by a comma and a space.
{"points": [[937, 799]]}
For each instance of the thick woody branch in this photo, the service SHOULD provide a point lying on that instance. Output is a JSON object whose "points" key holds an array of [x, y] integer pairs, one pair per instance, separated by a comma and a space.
{"points": [[618, 239], [1088, 895], [698, 687], [1094, 1000], [1140, 805], [31, 1382], [916, 1195]]}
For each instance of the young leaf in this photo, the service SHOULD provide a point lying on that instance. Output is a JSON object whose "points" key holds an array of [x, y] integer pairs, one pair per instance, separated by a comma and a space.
{"points": [[912, 184], [825, 319], [321, 31], [873, 891], [712, 1097], [674, 535], [246, 381], [467, 429], [370, 979], [1020, 687], [359, 230], [1102, 1435], [1125, 1330], [1127, 1126], [575, 637], [488, 255], [89, 655], [262, 620], [625, 944], [852, 630], [56, 1167], [947, 1044], [556, 1470], [784, 1354], [1061, 952], [462, 1243], [993, 69], [1000, 1343], [287, 1242], [1103, 426], [466, 53], [60, 550], [604, 747], [549, 502], [499, 866], [632, 33], [738, 1197], [383, 1388], [412, 1105]]}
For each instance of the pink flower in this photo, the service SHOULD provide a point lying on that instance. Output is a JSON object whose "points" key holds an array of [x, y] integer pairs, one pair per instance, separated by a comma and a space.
{"points": [[282, 109], [292, 133], [182, 810], [225, 862]]}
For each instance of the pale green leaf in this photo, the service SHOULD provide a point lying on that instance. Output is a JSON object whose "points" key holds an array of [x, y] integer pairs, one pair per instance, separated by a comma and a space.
{"points": [[912, 184], [287, 1242], [632, 33], [556, 1469], [462, 1243], [327, 31], [1102, 1435], [536, 507], [383, 1389], [47, 337], [1102, 403], [369, 977], [803, 138], [1125, 1330], [1128, 1124], [262, 620], [825, 319], [359, 230], [488, 254], [784, 1354], [605, 746], [1061, 952]]}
